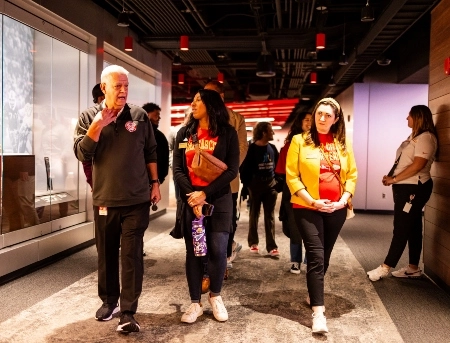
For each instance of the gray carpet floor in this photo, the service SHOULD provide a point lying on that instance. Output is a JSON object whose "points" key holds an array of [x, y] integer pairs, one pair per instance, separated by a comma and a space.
{"points": [[265, 302], [419, 309]]}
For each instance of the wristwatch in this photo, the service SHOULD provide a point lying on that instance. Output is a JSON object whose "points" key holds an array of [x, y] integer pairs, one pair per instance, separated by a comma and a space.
{"points": [[154, 181]]}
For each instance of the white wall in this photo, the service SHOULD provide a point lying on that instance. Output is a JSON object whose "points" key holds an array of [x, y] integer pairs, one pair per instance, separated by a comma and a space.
{"points": [[380, 125]]}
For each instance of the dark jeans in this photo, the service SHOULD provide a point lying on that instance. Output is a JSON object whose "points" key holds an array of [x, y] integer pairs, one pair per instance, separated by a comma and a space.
{"points": [[408, 226], [122, 227], [262, 192], [233, 223], [319, 231], [217, 263]]}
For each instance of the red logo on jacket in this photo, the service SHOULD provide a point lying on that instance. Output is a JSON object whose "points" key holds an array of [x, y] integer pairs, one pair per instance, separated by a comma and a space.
{"points": [[130, 126]]}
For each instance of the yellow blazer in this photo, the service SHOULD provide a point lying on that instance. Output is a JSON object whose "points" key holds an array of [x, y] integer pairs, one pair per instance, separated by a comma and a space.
{"points": [[303, 169]]}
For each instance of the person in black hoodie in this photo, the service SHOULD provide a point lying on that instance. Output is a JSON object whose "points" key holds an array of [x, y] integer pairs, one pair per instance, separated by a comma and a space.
{"points": [[162, 148], [210, 122], [258, 176]]}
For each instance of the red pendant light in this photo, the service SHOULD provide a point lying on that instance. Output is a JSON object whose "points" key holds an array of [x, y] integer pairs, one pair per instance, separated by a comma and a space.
{"points": [[320, 41], [128, 43], [184, 43], [313, 77], [181, 79], [220, 77]]}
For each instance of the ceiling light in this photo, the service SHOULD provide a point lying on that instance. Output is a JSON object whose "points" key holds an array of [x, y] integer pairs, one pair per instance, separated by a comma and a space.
{"points": [[184, 43], [343, 60], [383, 61], [321, 8], [332, 83], [128, 43], [265, 66], [320, 41], [220, 77], [249, 120], [221, 55], [367, 13], [123, 20], [181, 79], [176, 60], [305, 98], [313, 77]]}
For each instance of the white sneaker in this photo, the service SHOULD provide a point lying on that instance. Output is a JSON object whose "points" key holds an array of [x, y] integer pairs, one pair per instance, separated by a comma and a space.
{"points": [[219, 310], [194, 311], [229, 263], [319, 324], [407, 272], [378, 273], [235, 249], [295, 268]]}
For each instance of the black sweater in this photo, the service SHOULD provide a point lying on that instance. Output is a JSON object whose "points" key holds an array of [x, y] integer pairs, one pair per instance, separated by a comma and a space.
{"points": [[119, 158]]}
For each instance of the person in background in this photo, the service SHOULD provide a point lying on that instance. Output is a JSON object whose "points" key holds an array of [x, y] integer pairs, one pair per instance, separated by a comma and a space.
{"points": [[302, 123], [210, 122], [172, 138], [258, 175], [411, 187], [321, 175], [98, 97], [116, 135], [162, 149], [238, 122]]}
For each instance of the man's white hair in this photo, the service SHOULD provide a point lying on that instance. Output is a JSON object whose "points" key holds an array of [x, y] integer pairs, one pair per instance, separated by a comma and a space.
{"points": [[112, 69]]}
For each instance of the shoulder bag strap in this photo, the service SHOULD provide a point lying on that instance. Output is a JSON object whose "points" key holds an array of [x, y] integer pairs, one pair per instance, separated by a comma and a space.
{"points": [[331, 167]]}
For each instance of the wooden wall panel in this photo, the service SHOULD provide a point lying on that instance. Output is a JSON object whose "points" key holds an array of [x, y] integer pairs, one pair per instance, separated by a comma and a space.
{"points": [[440, 169], [441, 104], [436, 243], [442, 121]]}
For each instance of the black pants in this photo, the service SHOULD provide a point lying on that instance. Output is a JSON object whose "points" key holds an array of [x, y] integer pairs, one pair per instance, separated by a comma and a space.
{"points": [[122, 227], [408, 226], [265, 193], [319, 231], [234, 225]]}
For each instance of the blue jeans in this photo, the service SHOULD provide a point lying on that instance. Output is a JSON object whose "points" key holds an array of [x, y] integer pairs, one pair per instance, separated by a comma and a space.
{"points": [[296, 252], [217, 263]]}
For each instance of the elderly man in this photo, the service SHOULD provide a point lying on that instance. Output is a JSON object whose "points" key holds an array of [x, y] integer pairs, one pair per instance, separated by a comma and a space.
{"points": [[118, 138]]}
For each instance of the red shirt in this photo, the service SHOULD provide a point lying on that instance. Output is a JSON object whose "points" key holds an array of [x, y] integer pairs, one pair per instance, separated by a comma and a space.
{"points": [[206, 143], [281, 164], [329, 185]]}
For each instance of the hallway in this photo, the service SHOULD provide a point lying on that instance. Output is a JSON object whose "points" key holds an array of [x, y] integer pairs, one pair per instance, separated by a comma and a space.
{"points": [[264, 300]]}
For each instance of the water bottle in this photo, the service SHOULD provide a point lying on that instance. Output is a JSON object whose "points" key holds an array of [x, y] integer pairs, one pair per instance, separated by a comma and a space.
{"points": [[199, 237]]}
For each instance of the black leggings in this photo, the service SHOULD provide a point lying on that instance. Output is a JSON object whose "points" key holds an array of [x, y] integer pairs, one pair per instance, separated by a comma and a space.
{"points": [[408, 226], [319, 231]]}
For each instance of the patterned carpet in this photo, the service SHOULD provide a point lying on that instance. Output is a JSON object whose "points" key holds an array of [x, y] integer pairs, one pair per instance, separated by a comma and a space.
{"points": [[265, 302]]}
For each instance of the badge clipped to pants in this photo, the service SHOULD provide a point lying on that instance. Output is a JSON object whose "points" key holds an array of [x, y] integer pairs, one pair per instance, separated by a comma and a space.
{"points": [[408, 205], [102, 211]]}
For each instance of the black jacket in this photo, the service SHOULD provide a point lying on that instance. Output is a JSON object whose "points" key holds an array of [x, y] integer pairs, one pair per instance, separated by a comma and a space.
{"points": [[162, 150], [120, 157]]}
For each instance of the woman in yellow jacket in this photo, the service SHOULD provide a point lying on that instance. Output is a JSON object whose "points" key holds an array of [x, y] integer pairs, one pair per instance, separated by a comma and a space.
{"points": [[321, 176]]}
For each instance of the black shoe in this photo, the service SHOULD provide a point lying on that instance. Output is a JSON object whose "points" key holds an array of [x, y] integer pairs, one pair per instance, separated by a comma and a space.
{"points": [[144, 253], [127, 323], [106, 312]]}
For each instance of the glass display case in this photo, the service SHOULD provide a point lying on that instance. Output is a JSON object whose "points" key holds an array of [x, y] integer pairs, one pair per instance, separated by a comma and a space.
{"points": [[44, 85]]}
